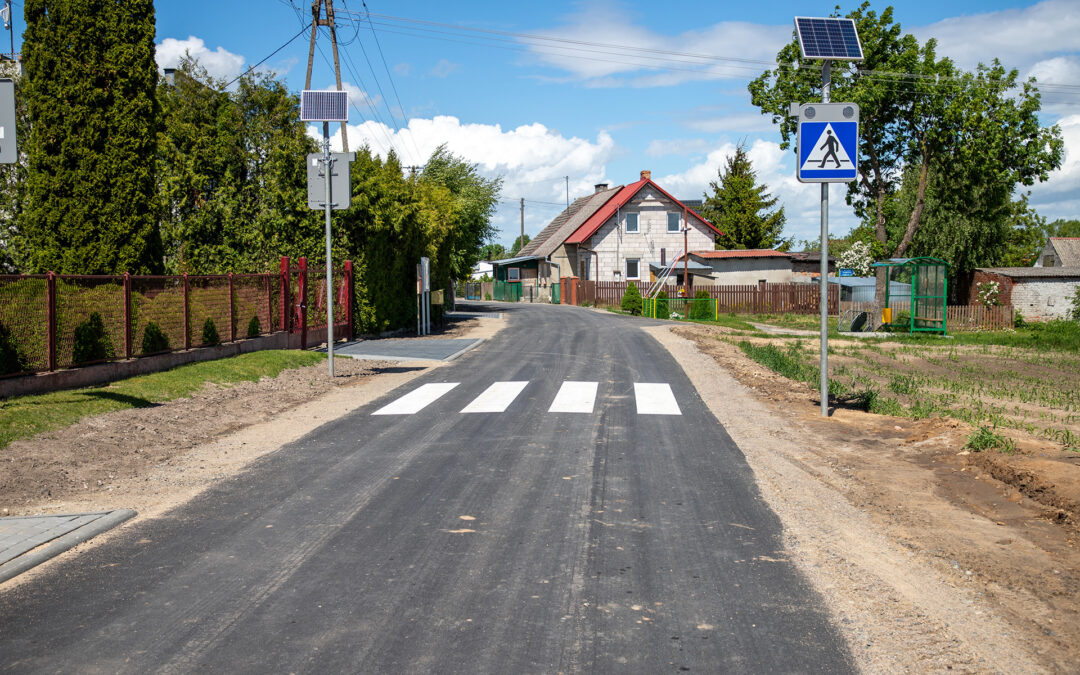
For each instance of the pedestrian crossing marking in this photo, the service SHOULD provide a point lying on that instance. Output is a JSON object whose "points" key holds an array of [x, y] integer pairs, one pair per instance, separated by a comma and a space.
{"points": [[495, 398], [575, 397], [655, 398], [651, 398], [416, 400]]}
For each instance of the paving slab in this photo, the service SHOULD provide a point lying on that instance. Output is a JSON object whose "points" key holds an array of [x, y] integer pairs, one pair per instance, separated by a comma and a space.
{"points": [[408, 349], [27, 541]]}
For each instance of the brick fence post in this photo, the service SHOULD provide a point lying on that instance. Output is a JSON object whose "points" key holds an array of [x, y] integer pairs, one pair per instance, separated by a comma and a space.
{"points": [[285, 290], [187, 314], [349, 297], [301, 292], [50, 321], [269, 306], [127, 315]]}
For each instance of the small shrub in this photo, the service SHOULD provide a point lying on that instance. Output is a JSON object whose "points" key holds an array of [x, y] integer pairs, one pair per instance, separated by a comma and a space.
{"points": [[92, 342], [154, 340], [662, 309], [703, 307], [1075, 313], [985, 438], [254, 327], [631, 299], [11, 360], [1018, 320], [487, 296], [209, 333]]}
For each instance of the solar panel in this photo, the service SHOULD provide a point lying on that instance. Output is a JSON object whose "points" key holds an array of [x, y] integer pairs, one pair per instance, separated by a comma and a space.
{"points": [[831, 38], [324, 106]]}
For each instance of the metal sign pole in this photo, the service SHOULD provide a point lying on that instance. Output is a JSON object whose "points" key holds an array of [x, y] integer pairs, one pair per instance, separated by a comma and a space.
{"points": [[327, 170], [826, 84]]}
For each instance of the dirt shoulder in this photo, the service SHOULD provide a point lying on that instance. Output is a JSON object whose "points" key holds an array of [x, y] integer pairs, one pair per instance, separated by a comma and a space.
{"points": [[153, 459], [930, 558]]}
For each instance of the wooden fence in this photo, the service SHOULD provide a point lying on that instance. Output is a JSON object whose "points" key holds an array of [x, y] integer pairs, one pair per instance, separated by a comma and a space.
{"points": [[740, 299]]}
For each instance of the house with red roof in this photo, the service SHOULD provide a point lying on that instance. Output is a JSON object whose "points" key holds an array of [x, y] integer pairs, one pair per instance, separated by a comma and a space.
{"points": [[615, 234]]}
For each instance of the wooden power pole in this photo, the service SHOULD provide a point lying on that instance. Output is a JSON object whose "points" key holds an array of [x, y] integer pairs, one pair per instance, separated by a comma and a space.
{"points": [[316, 21]]}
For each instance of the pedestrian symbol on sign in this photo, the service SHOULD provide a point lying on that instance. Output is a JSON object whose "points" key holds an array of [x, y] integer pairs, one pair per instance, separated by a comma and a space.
{"points": [[827, 149]]}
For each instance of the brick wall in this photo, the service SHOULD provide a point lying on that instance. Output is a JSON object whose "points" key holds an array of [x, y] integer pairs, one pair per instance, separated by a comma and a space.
{"points": [[1044, 299]]}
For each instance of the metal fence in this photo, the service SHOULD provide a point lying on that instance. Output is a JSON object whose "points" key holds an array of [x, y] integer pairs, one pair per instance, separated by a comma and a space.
{"points": [[742, 299], [53, 321]]}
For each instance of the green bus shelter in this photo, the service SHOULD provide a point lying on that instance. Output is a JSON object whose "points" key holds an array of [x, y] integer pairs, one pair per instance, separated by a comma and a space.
{"points": [[923, 309]]}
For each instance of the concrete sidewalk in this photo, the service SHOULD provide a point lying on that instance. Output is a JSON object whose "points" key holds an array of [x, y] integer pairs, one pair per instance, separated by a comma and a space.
{"points": [[27, 541]]}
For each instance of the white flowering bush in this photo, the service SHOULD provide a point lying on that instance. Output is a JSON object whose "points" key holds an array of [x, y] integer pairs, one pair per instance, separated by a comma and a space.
{"points": [[857, 258], [989, 293]]}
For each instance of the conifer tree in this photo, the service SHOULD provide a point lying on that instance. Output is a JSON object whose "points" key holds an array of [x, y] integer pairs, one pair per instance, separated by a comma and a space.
{"points": [[740, 207], [90, 89]]}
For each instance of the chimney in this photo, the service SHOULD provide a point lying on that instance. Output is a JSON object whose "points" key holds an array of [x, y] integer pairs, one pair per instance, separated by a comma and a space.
{"points": [[600, 187], [646, 175], [663, 257]]}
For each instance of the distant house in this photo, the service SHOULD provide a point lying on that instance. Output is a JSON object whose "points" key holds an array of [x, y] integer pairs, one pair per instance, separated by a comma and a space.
{"points": [[742, 266], [806, 265], [1060, 252], [615, 234], [481, 269], [1039, 293]]}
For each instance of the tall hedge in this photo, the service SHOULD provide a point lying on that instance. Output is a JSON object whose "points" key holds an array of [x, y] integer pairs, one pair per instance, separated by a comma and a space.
{"points": [[90, 90]]}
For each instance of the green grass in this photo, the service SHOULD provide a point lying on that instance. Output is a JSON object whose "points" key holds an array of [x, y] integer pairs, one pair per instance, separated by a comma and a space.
{"points": [[1059, 335], [29, 415], [985, 438]]}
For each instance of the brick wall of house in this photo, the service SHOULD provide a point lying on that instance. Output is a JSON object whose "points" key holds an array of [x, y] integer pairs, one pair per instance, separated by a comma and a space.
{"points": [[614, 245]]}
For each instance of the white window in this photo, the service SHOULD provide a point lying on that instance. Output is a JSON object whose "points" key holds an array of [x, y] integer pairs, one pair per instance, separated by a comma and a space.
{"points": [[673, 222], [632, 268], [631, 222], [513, 274]]}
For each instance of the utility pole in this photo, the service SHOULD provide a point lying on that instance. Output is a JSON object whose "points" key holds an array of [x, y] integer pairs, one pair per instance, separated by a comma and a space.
{"points": [[686, 262], [316, 21], [522, 240], [826, 87]]}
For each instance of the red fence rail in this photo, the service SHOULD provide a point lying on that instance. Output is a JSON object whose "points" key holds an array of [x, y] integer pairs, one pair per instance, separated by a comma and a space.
{"points": [[52, 321]]}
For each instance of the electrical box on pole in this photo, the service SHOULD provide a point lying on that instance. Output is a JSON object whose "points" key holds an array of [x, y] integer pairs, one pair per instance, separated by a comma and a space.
{"points": [[9, 151], [339, 180]]}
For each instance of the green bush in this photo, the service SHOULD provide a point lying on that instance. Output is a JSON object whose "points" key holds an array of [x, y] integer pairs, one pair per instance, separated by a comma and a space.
{"points": [[702, 309], [254, 327], [631, 299], [209, 333], [487, 296], [154, 340], [92, 342], [1018, 320], [662, 311], [11, 360], [1075, 313]]}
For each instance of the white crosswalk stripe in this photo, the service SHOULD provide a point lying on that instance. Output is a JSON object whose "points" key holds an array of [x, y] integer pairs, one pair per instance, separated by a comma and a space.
{"points": [[575, 397], [495, 398], [651, 398], [655, 398], [416, 400]]}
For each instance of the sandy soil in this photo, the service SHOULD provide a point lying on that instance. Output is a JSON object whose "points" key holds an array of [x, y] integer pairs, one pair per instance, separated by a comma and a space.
{"points": [[930, 558]]}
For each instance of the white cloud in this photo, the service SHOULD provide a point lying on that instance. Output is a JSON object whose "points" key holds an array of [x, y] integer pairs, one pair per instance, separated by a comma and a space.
{"points": [[532, 160], [357, 96], [444, 68], [1018, 37], [403, 69], [775, 169], [676, 146], [219, 63], [1059, 196], [724, 50]]}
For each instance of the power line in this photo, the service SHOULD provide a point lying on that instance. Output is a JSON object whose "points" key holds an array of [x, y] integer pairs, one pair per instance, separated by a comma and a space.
{"points": [[302, 31]]}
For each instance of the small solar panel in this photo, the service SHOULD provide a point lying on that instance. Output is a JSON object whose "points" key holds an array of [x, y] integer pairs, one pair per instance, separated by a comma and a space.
{"points": [[828, 38], [324, 106]]}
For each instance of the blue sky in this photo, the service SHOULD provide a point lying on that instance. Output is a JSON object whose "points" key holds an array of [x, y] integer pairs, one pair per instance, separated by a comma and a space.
{"points": [[534, 114]]}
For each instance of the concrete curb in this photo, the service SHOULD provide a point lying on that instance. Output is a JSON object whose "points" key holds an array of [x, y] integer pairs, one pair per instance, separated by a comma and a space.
{"points": [[479, 341], [64, 543]]}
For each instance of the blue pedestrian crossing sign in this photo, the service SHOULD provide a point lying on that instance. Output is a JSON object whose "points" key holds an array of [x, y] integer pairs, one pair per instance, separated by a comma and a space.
{"points": [[828, 143]]}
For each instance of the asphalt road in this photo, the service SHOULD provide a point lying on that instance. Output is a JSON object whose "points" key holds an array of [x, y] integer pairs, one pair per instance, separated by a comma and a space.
{"points": [[521, 541]]}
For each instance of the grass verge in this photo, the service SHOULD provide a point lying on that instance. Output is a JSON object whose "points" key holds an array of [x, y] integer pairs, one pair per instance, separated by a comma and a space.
{"points": [[30, 415]]}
